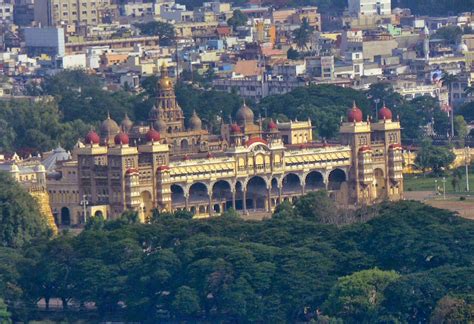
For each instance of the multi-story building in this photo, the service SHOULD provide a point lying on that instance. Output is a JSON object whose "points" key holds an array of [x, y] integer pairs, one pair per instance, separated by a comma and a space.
{"points": [[46, 40], [6, 10], [370, 7], [252, 170], [71, 12]]}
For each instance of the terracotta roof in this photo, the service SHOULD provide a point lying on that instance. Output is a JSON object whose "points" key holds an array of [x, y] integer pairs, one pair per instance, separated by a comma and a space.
{"points": [[255, 140], [247, 68]]}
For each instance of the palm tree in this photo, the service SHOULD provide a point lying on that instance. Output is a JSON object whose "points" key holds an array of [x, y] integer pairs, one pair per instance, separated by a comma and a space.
{"points": [[448, 80], [302, 35]]}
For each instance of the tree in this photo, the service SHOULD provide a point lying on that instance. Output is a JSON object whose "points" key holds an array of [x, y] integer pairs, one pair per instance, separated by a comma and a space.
{"points": [[322, 104], [357, 298], [238, 19], [303, 34], [318, 206], [450, 34], [454, 309], [164, 30], [437, 158], [448, 80], [5, 316], [412, 298], [20, 220], [186, 302], [460, 127], [292, 54]]}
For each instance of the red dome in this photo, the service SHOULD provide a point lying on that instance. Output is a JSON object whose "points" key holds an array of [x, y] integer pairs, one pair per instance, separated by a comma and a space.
{"points": [[121, 139], [92, 138], [152, 136], [272, 125], [364, 149], [354, 114], [234, 128], [385, 114]]}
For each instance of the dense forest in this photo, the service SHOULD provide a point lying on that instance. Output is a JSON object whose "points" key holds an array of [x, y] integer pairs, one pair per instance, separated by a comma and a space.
{"points": [[394, 263]]}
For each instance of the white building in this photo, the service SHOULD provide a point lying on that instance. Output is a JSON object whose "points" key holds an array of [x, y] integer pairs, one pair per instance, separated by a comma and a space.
{"points": [[6, 10], [370, 7]]}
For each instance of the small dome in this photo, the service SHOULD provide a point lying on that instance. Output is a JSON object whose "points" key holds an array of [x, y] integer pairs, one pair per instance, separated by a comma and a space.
{"points": [[195, 122], [385, 113], [126, 124], [92, 138], [244, 115], [121, 139], [152, 136], [234, 128], [272, 126], [354, 114], [160, 125], [109, 127]]}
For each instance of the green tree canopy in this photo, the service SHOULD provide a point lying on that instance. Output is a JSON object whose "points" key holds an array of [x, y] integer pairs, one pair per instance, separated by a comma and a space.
{"points": [[20, 219], [357, 298], [164, 30], [238, 19], [437, 158]]}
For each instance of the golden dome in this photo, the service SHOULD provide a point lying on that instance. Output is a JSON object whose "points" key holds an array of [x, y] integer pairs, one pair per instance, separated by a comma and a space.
{"points": [[166, 83]]}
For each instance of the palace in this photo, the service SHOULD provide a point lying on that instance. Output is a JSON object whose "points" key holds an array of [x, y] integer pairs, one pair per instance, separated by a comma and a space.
{"points": [[249, 167]]}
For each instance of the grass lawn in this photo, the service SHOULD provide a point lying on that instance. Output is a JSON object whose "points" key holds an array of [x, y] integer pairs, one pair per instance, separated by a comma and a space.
{"points": [[427, 183]]}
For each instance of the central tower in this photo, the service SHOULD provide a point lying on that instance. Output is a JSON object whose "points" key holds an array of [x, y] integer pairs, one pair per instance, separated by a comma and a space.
{"points": [[166, 109]]}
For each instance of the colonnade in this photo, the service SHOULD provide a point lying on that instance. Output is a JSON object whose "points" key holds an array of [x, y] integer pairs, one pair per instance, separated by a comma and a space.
{"points": [[257, 193]]}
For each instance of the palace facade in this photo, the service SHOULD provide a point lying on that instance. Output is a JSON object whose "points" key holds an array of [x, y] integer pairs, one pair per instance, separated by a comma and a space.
{"points": [[248, 167], [172, 164]]}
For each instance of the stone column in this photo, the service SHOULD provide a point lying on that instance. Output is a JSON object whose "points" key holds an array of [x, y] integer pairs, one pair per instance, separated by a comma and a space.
{"points": [[269, 199], [244, 200], [186, 201], [233, 199], [303, 184], [211, 208]]}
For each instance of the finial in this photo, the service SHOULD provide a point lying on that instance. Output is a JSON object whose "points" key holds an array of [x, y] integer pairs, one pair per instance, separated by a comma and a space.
{"points": [[108, 114], [384, 103], [354, 106]]}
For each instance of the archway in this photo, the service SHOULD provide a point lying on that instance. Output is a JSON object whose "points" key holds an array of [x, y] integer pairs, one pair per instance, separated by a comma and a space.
{"points": [[239, 196], [221, 196], [256, 193], [177, 196], [198, 193], [291, 184], [184, 145], [146, 205], [314, 181], [275, 192], [65, 216], [335, 179], [379, 183], [99, 213]]}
